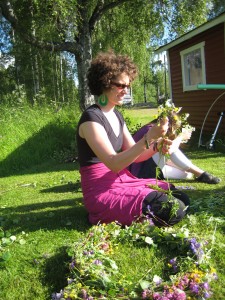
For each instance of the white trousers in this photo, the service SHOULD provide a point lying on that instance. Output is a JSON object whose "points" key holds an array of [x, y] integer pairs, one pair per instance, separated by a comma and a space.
{"points": [[174, 168]]}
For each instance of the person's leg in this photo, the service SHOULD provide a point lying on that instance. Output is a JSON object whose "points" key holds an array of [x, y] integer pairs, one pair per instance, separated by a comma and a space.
{"points": [[180, 195], [180, 160], [170, 171], [163, 209]]}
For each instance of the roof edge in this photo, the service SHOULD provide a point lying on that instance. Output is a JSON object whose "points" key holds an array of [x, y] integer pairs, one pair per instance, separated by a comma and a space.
{"points": [[194, 32]]}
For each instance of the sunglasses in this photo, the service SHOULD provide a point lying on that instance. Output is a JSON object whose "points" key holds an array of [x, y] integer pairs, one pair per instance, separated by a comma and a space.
{"points": [[120, 85]]}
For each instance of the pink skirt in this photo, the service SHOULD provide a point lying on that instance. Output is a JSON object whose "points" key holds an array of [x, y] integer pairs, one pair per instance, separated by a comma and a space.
{"points": [[110, 196]]}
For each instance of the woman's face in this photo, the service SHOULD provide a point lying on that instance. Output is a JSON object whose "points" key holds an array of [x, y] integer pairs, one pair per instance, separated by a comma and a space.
{"points": [[118, 90]]}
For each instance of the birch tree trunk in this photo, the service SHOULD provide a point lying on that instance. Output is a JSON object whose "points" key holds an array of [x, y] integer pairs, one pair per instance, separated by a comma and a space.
{"points": [[61, 78]]}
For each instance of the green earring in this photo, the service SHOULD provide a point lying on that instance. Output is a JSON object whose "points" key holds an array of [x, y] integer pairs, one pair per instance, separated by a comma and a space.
{"points": [[103, 100]]}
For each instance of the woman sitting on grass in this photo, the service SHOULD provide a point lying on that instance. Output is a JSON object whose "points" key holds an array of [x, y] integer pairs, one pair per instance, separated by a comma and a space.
{"points": [[106, 148]]}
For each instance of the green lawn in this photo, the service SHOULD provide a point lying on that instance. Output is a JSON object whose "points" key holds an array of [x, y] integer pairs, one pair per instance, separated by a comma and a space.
{"points": [[42, 215]]}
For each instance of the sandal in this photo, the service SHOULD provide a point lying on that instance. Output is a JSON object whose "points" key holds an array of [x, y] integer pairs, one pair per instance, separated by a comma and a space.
{"points": [[208, 178]]}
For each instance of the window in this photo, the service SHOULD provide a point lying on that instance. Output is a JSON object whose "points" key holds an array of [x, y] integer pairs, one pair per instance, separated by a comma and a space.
{"points": [[193, 66]]}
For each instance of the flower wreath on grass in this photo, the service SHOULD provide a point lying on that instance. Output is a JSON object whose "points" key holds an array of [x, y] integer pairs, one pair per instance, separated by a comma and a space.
{"points": [[94, 273]]}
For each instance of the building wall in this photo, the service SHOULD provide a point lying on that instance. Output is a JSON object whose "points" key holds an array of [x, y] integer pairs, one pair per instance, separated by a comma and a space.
{"points": [[197, 103]]}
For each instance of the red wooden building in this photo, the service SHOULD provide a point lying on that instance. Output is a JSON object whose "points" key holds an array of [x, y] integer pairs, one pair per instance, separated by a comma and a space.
{"points": [[198, 57]]}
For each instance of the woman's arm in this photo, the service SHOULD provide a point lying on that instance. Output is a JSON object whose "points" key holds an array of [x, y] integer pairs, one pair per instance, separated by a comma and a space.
{"points": [[129, 142], [97, 139]]}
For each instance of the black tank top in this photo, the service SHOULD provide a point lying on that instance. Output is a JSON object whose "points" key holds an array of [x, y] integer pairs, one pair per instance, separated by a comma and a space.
{"points": [[93, 113]]}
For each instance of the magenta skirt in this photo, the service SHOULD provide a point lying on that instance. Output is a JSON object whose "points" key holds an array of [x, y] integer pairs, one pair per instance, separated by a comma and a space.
{"points": [[110, 196]]}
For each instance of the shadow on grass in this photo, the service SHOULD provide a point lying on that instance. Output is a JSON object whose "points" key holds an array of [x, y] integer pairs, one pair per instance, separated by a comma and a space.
{"points": [[53, 215], [56, 270], [71, 213], [65, 188], [210, 201]]}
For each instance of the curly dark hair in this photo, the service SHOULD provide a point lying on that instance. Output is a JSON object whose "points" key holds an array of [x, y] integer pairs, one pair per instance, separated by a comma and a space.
{"points": [[105, 67]]}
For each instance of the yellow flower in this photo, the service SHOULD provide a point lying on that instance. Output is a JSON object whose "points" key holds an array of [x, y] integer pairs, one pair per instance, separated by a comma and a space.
{"points": [[73, 295]]}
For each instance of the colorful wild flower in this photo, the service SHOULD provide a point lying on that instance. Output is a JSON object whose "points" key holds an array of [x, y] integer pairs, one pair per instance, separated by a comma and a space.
{"points": [[95, 275]]}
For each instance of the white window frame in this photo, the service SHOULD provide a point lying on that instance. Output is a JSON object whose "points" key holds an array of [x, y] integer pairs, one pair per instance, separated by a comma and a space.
{"points": [[201, 47]]}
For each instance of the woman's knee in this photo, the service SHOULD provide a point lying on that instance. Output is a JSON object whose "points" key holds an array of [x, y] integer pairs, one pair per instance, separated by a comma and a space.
{"points": [[164, 210], [181, 196]]}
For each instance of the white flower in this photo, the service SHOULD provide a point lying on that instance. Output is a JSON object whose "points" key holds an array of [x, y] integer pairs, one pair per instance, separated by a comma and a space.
{"points": [[13, 238], [157, 280], [149, 240]]}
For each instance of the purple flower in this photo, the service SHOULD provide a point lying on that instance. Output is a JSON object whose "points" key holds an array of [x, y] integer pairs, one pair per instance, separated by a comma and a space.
{"points": [[97, 262], [56, 296], [173, 261], [156, 296], [206, 295], [196, 248], [85, 252], [205, 286], [179, 295], [70, 280], [194, 288], [144, 294], [83, 294], [73, 264]]}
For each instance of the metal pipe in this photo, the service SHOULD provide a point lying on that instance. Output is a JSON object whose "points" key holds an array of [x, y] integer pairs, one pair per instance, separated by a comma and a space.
{"points": [[211, 86]]}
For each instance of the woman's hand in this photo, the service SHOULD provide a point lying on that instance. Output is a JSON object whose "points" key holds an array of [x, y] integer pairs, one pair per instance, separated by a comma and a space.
{"points": [[167, 146], [158, 130], [186, 135], [164, 145]]}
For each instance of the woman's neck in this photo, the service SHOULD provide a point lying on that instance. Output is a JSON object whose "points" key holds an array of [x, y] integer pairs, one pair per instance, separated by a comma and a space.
{"points": [[107, 109]]}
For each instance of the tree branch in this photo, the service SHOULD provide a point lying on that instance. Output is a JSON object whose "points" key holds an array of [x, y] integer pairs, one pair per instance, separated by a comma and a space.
{"points": [[9, 14], [100, 9]]}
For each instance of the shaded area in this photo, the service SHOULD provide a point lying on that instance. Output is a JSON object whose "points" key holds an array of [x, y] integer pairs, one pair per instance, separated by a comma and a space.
{"points": [[51, 142], [56, 270], [210, 201], [69, 187], [47, 216]]}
